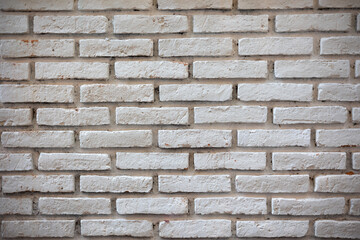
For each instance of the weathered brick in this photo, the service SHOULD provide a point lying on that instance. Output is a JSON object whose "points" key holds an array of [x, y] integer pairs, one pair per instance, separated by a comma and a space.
{"points": [[356, 160], [14, 71], [195, 47], [338, 137], [274, 138], [236, 23], [193, 4], [194, 138], [197, 183], [230, 160], [38, 183], [11, 206], [358, 22], [114, 4], [74, 206], [195, 92], [339, 92], [339, 4], [308, 161], [230, 69], [310, 115], [36, 93], [337, 229], [38, 139], [272, 228], [14, 24], [274, 4], [37, 5], [71, 70], [152, 205], [73, 117], [354, 207], [308, 206], [73, 162], [144, 24], [128, 160], [275, 92], [115, 184], [106, 139], [340, 45], [151, 69], [15, 117], [117, 93], [38, 228], [338, 184], [16, 162], [37, 48], [312, 68], [116, 227], [276, 46], [357, 63], [313, 22], [70, 24], [272, 183], [230, 205], [115, 48]]}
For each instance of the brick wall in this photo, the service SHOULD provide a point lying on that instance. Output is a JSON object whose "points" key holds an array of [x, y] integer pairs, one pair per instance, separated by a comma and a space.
{"points": [[180, 118]]}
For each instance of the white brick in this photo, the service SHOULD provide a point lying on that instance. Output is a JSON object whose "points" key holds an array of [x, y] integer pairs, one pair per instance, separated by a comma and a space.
{"points": [[74, 206], [194, 138], [274, 138], [38, 183], [38, 139], [194, 4], [274, 4], [230, 114], [73, 162], [196, 92], [71, 70], [14, 24], [116, 227], [115, 48], [16, 162], [312, 68], [143, 24], [195, 47], [310, 115], [38, 228], [73, 117], [275, 92], [338, 138], [339, 4], [236, 23], [176, 161], [340, 45], [358, 22], [36, 93], [152, 206], [154, 116], [272, 183], [272, 228], [151, 69], [357, 62], [14, 71], [114, 4], [215, 228], [104, 139], [117, 93], [15, 117], [70, 24], [230, 205], [337, 229], [21, 206], [354, 207], [356, 160], [230, 160], [308, 206], [37, 48], [339, 92], [308, 161], [115, 184], [276, 46], [230, 69], [197, 183], [313, 22], [338, 184], [37, 5]]}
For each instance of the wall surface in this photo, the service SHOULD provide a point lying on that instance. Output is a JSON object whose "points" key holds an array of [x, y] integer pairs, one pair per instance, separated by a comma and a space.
{"points": [[180, 119]]}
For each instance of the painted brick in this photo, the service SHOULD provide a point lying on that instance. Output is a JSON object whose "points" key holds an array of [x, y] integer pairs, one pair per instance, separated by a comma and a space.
{"points": [[339, 4], [357, 62], [274, 4], [338, 138], [338, 184], [37, 5], [114, 4], [16, 162], [197, 183], [339, 92], [337, 229], [14, 24], [15, 117], [14, 71], [193, 4], [356, 160], [340, 45], [354, 207], [12, 206]]}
